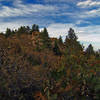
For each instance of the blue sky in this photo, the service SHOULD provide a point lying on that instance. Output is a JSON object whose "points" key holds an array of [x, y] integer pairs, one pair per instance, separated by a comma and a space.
{"points": [[57, 15]]}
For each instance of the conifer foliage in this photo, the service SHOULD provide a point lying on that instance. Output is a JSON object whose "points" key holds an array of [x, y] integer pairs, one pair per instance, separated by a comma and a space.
{"points": [[60, 41], [45, 39], [35, 28], [71, 43], [49, 70], [56, 49], [72, 35], [90, 50], [8, 32]]}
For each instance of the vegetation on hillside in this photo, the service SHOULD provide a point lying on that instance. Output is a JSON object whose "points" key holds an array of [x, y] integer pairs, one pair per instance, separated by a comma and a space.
{"points": [[34, 66]]}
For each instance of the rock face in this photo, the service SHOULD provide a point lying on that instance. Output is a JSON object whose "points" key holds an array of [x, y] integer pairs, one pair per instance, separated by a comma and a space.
{"points": [[35, 36], [36, 40], [53, 41]]}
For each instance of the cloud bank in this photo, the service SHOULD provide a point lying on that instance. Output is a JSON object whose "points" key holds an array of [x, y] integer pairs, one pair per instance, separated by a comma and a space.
{"points": [[85, 34], [57, 15]]}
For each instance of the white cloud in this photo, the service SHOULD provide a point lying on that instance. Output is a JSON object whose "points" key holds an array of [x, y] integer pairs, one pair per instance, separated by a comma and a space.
{"points": [[88, 3], [90, 13], [12, 25], [58, 0], [90, 38], [95, 12], [37, 13], [86, 35], [57, 29], [21, 9], [84, 3], [81, 22]]}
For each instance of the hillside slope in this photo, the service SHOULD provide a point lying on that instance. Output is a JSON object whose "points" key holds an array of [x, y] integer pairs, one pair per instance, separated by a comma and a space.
{"points": [[34, 66]]}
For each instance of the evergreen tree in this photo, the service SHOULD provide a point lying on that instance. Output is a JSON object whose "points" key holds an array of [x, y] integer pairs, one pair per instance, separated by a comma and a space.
{"points": [[71, 37], [71, 34], [56, 49], [13, 32], [45, 39], [60, 41], [35, 28], [23, 30], [28, 29], [8, 32], [20, 30], [71, 43], [90, 50], [45, 33]]}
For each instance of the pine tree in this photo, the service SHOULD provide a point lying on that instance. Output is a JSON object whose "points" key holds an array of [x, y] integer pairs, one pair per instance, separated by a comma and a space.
{"points": [[28, 29], [45, 33], [90, 50], [71, 34], [8, 32], [60, 41], [13, 32], [21, 30], [71, 38], [45, 39], [71, 43], [56, 49], [35, 28]]}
